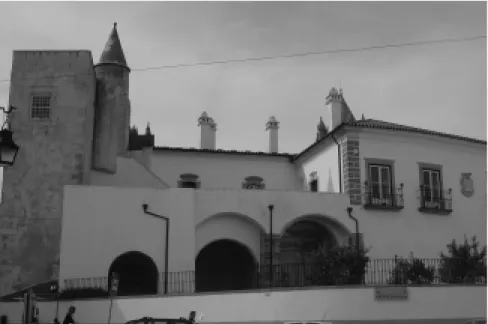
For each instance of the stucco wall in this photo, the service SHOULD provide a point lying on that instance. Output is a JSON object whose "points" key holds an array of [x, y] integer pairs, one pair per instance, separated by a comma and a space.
{"points": [[100, 223], [52, 153], [130, 173], [306, 305], [219, 171], [323, 160], [424, 234], [114, 220]]}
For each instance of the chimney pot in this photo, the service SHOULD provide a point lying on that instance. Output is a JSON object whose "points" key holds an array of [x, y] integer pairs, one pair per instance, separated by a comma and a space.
{"points": [[272, 127], [208, 132]]}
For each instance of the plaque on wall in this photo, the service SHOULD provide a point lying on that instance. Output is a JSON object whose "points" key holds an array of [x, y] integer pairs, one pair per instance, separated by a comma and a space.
{"points": [[391, 293], [467, 185]]}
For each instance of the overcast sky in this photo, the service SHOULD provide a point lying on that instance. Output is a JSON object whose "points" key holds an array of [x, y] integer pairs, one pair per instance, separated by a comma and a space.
{"points": [[441, 87]]}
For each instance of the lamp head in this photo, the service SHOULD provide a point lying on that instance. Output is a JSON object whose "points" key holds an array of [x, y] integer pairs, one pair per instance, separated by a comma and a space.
{"points": [[349, 210], [145, 207]]}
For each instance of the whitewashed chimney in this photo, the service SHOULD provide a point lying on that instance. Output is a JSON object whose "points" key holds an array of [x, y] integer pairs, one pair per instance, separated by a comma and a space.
{"points": [[208, 132], [272, 127], [333, 104]]}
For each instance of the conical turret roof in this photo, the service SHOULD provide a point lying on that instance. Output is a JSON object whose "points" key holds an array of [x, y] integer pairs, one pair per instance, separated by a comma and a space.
{"points": [[113, 52]]}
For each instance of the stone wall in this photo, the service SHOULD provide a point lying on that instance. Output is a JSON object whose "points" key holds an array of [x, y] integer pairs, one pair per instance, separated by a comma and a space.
{"points": [[112, 119], [53, 152], [351, 168]]}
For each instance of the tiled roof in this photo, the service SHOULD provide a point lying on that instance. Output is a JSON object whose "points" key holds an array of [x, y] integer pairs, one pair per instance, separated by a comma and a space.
{"points": [[367, 123], [232, 152], [379, 124], [113, 52]]}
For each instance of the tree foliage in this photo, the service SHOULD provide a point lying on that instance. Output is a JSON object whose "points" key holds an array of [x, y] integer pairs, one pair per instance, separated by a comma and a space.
{"points": [[463, 263], [339, 266], [412, 271]]}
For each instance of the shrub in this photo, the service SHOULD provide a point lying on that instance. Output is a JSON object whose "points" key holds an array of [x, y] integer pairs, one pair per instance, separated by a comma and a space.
{"points": [[339, 266], [464, 263], [412, 271]]}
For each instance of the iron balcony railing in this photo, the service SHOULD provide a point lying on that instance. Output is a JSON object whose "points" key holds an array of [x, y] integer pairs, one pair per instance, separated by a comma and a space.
{"points": [[435, 199], [385, 198], [377, 272]]}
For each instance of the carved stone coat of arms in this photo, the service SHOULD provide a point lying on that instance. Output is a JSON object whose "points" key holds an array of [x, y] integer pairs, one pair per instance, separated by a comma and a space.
{"points": [[467, 185]]}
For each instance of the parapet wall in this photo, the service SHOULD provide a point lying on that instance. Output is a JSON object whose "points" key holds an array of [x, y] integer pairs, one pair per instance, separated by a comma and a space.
{"points": [[447, 304]]}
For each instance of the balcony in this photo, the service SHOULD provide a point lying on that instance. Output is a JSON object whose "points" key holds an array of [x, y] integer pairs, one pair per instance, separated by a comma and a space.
{"points": [[390, 199], [435, 200]]}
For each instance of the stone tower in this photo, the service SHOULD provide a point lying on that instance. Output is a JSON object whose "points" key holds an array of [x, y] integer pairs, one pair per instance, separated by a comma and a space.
{"points": [[112, 112], [54, 93]]}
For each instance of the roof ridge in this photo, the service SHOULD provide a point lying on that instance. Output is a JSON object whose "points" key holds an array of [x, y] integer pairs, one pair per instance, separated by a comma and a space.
{"points": [[231, 151], [387, 124]]}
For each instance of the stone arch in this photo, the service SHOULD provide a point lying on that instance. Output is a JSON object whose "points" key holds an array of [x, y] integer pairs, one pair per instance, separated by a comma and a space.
{"points": [[225, 265], [138, 274], [303, 234], [229, 225]]}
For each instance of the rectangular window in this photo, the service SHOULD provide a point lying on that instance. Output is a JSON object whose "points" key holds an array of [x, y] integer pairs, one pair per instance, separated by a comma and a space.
{"points": [[41, 106], [380, 182], [431, 187], [314, 185]]}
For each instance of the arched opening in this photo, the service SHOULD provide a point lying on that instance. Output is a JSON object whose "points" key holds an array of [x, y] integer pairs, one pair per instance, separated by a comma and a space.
{"points": [[138, 274], [306, 235], [300, 243], [225, 265]]}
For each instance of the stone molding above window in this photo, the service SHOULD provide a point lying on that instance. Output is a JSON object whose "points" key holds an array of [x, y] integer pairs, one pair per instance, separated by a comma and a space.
{"points": [[189, 180], [253, 182]]}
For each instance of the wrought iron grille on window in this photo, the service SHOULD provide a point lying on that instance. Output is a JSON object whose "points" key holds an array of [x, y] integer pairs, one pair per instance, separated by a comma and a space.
{"points": [[379, 189], [253, 183], [435, 198], [189, 180], [41, 107]]}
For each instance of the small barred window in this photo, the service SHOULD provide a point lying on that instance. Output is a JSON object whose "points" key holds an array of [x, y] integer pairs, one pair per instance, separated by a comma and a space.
{"points": [[253, 183], [41, 106]]}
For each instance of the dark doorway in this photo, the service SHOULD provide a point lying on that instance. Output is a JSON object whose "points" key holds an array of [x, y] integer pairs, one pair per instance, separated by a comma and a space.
{"points": [[225, 265], [138, 275]]}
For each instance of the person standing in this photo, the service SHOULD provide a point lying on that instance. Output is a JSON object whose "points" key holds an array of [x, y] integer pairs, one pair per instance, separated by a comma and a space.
{"points": [[69, 317]]}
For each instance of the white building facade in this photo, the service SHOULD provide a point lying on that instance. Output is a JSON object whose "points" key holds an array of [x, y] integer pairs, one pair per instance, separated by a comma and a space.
{"points": [[411, 190]]}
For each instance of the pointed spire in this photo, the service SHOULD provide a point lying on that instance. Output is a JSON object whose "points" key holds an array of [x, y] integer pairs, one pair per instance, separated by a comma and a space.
{"points": [[113, 52], [148, 129], [321, 130]]}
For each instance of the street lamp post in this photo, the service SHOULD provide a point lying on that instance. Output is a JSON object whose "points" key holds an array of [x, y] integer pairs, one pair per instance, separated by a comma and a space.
{"points": [[271, 207], [8, 148], [166, 252]]}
